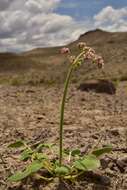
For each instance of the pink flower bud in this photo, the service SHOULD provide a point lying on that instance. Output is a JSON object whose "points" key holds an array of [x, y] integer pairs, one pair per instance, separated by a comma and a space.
{"points": [[99, 61], [92, 50], [65, 50], [86, 48], [90, 54], [71, 58], [81, 45], [101, 64]]}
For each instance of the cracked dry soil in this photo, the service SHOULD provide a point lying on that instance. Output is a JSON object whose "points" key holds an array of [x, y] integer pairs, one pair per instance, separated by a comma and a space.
{"points": [[32, 114]]}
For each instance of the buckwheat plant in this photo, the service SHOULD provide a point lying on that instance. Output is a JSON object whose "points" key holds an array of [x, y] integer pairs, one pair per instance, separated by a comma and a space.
{"points": [[42, 158], [86, 53]]}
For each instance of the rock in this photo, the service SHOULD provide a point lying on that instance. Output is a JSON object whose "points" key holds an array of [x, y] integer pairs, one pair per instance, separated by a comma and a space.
{"points": [[104, 162], [99, 86], [95, 136], [104, 180], [40, 117], [83, 99], [109, 172], [115, 132], [122, 163], [98, 178]]}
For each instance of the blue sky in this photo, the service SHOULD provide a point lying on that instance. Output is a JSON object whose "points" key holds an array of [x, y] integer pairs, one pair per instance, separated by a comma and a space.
{"points": [[27, 24], [80, 9]]}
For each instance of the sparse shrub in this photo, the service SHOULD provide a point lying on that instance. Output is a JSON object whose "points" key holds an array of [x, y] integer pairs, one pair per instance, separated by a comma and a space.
{"points": [[43, 162]]}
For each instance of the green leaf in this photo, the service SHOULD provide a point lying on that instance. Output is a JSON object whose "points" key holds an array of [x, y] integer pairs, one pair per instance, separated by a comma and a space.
{"points": [[45, 145], [48, 165], [78, 165], [41, 156], [55, 162], [18, 176], [48, 145], [17, 144], [102, 151], [63, 170], [89, 162], [26, 154], [66, 151], [32, 168], [75, 152]]}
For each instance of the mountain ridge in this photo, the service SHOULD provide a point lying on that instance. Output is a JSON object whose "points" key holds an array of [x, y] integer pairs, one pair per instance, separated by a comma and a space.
{"points": [[50, 65]]}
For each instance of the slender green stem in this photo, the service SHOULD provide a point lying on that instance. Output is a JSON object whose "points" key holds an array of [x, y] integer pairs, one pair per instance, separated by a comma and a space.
{"points": [[62, 113], [63, 106]]}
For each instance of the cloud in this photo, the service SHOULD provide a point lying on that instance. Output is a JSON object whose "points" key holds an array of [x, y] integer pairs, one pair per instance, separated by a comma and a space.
{"points": [[28, 24], [112, 19], [41, 5], [4, 4]]}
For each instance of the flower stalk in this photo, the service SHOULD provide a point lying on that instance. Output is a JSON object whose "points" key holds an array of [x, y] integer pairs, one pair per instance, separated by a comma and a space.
{"points": [[86, 53], [63, 106], [62, 114]]}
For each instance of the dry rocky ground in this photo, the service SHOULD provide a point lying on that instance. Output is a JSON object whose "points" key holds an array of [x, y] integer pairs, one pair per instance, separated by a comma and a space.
{"points": [[32, 114]]}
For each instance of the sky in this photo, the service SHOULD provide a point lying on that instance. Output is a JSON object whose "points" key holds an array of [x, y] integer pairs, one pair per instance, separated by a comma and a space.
{"points": [[27, 24]]}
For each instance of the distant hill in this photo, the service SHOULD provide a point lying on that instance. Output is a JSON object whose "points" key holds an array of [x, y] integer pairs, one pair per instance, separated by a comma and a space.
{"points": [[46, 65]]}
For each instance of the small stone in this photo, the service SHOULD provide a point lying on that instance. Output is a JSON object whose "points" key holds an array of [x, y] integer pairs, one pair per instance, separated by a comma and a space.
{"points": [[83, 99], [99, 179], [109, 172], [115, 132], [122, 163], [104, 162], [40, 117], [95, 136], [99, 187], [104, 180]]}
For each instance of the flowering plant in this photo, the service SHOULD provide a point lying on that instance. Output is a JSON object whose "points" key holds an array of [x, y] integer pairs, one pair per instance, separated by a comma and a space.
{"points": [[86, 53], [71, 163]]}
